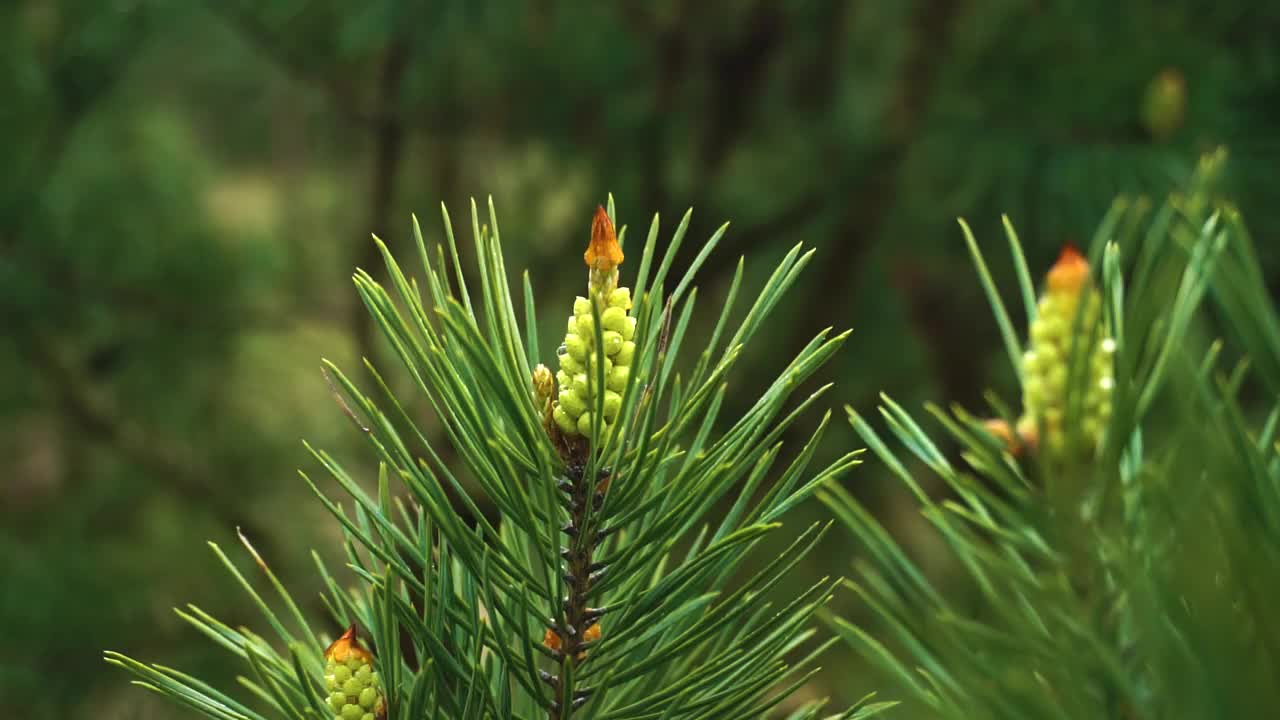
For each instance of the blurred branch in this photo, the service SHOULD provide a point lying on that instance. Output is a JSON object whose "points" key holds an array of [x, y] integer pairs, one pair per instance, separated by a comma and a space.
{"points": [[168, 461], [80, 400], [343, 97], [786, 220], [53, 147]]}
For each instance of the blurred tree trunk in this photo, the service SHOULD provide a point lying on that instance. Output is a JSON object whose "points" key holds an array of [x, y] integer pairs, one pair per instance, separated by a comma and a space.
{"points": [[872, 198], [388, 144]]}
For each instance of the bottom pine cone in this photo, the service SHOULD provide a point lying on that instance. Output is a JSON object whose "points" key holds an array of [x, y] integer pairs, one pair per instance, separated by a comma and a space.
{"points": [[355, 691]]}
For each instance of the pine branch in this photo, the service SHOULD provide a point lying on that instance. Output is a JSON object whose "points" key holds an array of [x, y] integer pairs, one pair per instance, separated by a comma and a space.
{"points": [[602, 586], [581, 575], [1085, 525]]}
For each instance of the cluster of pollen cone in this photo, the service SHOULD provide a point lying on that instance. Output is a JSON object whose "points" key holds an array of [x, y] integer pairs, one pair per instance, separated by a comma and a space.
{"points": [[1068, 320], [586, 357]]}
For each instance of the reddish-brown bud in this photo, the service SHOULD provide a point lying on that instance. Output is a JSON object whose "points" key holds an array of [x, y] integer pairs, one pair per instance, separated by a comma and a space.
{"points": [[604, 253], [1070, 273], [346, 647]]}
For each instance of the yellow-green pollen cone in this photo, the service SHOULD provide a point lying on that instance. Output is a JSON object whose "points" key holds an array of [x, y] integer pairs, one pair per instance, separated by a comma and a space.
{"points": [[354, 691], [579, 356], [1046, 363]]}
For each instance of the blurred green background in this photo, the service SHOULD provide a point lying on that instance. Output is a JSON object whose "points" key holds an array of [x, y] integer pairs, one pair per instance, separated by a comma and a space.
{"points": [[187, 186]]}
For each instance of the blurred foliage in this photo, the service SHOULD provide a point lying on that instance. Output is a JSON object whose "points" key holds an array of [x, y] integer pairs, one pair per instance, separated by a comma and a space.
{"points": [[186, 187]]}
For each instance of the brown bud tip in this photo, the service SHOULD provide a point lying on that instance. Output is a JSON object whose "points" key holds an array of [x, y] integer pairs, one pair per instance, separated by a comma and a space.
{"points": [[1071, 271], [346, 646], [604, 253]]}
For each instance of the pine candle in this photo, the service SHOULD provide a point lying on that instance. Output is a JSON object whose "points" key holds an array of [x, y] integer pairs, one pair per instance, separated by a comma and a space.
{"points": [[580, 358], [1067, 312]]}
